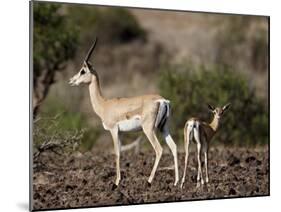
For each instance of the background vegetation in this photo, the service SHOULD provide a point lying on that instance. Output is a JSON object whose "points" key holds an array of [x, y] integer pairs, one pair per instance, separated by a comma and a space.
{"points": [[55, 41], [190, 89], [190, 58]]}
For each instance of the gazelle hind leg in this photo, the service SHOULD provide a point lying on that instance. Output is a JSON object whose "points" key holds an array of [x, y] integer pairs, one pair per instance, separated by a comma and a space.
{"points": [[157, 148], [187, 138], [116, 142], [199, 171], [173, 147], [205, 150]]}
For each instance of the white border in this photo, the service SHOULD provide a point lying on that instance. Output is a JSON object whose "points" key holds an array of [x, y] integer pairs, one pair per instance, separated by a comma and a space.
{"points": [[14, 103]]}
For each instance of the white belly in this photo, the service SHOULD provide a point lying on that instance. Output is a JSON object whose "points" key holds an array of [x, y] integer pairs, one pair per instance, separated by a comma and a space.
{"points": [[133, 124]]}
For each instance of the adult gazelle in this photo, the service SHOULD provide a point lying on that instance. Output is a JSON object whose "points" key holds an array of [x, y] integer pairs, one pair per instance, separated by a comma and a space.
{"points": [[148, 113]]}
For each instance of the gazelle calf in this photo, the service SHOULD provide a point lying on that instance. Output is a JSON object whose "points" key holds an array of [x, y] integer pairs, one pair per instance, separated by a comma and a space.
{"points": [[201, 133], [148, 113]]}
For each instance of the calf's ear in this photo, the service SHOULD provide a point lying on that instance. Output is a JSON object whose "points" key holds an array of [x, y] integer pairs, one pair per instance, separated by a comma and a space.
{"points": [[210, 107], [224, 108]]}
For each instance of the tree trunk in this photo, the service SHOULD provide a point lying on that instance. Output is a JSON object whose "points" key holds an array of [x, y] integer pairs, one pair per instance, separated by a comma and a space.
{"points": [[41, 86]]}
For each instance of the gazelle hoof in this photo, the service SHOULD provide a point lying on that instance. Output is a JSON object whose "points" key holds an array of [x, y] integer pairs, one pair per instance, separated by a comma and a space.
{"points": [[114, 186], [182, 184], [117, 181]]}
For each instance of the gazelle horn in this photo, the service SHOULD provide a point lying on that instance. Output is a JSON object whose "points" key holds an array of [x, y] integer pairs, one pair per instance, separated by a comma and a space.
{"points": [[91, 50]]}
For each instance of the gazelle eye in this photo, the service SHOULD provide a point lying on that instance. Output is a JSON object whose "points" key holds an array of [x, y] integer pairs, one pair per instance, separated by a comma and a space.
{"points": [[82, 72]]}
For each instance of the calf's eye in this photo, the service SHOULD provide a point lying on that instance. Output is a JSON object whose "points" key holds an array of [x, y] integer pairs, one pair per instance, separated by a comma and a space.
{"points": [[82, 72]]}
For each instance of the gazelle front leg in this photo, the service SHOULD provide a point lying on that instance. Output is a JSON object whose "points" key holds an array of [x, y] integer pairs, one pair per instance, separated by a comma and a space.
{"points": [[173, 147], [157, 148], [116, 143]]}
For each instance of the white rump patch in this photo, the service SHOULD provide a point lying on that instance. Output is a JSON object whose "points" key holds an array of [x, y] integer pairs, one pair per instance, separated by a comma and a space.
{"points": [[191, 125], [192, 129], [132, 124]]}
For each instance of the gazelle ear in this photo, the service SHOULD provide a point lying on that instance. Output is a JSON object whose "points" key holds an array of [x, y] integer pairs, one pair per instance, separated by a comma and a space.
{"points": [[210, 107], [224, 108]]}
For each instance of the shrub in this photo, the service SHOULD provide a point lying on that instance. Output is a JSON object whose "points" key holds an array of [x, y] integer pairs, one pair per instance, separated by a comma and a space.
{"points": [[66, 122], [120, 24], [191, 88], [55, 42], [113, 25]]}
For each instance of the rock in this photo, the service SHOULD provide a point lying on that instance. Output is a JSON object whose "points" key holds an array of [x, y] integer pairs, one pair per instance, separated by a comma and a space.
{"points": [[259, 162], [223, 169], [219, 192], [232, 191], [84, 182], [233, 160], [250, 159]]}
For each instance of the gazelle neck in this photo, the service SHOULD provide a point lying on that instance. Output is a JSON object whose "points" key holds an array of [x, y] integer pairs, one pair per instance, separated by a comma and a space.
{"points": [[97, 99], [215, 124]]}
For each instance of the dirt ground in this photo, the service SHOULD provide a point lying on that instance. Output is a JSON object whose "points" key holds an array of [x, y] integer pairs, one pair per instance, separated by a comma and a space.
{"points": [[82, 180]]}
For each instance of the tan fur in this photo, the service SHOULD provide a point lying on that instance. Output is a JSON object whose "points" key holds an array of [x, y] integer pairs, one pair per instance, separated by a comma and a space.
{"points": [[116, 110], [206, 132]]}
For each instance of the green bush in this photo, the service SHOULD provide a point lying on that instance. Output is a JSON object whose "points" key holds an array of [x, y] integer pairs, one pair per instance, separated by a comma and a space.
{"points": [[54, 43], [190, 88], [112, 25], [66, 121], [55, 38]]}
